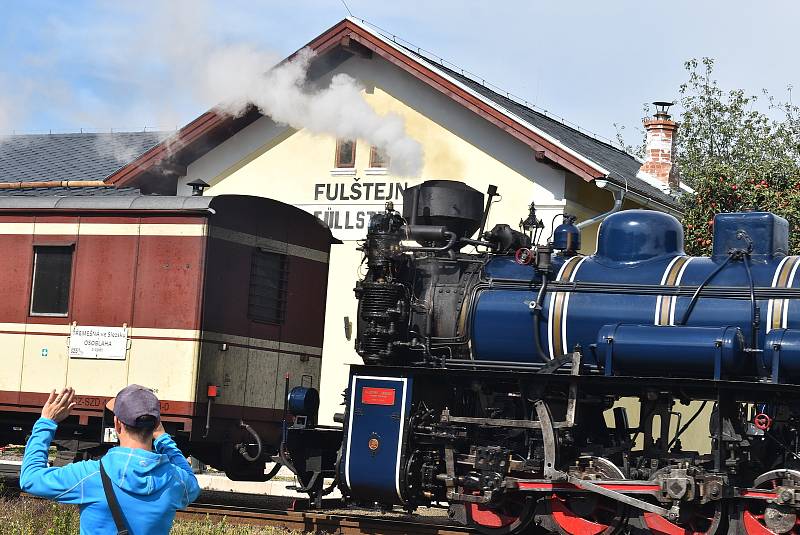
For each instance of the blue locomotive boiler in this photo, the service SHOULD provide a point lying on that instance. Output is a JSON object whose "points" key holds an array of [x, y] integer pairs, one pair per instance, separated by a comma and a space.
{"points": [[717, 316], [494, 361], [698, 316]]}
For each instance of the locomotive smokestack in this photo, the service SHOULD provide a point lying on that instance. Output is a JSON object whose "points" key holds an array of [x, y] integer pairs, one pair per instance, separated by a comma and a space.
{"points": [[659, 168]]}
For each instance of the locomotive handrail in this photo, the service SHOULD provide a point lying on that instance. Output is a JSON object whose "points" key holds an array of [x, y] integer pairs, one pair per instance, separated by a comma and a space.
{"points": [[720, 292]]}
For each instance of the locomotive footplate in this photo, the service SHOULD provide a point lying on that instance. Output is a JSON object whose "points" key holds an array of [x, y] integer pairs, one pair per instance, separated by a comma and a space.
{"points": [[591, 381]]}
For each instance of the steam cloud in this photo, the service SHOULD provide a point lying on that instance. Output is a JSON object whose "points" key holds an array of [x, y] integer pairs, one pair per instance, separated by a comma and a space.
{"points": [[338, 109], [165, 63]]}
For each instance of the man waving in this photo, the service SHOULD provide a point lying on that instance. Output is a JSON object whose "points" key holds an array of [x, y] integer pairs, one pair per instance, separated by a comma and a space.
{"points": [[143, 481]]}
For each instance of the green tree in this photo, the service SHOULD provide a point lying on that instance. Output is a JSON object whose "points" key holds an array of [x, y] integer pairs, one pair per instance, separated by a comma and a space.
{"points": [[735, 156]]}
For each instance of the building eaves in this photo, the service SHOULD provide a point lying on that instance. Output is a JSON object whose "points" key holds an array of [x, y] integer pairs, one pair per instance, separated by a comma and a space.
{"points": [[131, 202], [92, 191]]}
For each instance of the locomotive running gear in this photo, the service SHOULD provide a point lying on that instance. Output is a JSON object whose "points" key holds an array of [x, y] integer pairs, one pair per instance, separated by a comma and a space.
{"points": [[150, 486]]}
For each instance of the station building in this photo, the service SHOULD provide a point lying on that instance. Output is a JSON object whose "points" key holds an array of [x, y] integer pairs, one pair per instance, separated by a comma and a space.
{"points": [[468, 130]]}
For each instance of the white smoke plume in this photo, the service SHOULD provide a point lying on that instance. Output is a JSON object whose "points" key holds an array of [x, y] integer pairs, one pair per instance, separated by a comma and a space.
{"points": [[283, 94], [167, 62]]}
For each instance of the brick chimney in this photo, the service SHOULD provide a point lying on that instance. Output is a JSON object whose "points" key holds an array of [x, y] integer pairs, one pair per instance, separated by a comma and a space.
{"points": [[658, 167]]}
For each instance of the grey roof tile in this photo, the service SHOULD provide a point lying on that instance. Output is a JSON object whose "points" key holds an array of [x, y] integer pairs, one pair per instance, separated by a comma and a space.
{"points": [[89, 156], [91, 191]]}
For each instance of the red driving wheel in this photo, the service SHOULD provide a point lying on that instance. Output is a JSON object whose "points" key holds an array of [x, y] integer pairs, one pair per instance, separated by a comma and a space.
{"points": [[759, 517], [694, 519], [755, 523], [589, 513], [704, 521], [510, 517], [586, 515]]}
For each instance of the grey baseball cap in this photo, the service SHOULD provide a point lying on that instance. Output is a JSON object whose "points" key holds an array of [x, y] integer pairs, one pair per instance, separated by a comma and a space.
{"points": [[136, 406]]}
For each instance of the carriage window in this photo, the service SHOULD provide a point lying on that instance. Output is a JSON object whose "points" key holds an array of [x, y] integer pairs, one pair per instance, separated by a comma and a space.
{"points": [[52, 273], [345, 153], [378, 158], [267, 299]]}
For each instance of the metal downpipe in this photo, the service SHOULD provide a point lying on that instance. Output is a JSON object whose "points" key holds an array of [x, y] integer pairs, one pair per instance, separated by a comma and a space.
{"points": [[619, 196]]}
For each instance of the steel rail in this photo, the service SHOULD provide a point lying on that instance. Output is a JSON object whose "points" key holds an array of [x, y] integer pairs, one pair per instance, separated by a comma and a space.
{"points": [[313, 521], [305, 521]]}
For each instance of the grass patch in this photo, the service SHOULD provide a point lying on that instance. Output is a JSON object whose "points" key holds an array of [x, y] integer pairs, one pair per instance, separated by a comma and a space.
{"points": [[223, 528], [25, 516], [28, 516]]}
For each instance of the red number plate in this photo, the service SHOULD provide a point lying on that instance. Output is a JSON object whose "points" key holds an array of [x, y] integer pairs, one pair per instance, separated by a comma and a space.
{"points": [[377, 396]]}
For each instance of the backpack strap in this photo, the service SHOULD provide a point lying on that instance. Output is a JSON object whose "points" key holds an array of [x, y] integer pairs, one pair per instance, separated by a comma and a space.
{"points": [[113, 504]]}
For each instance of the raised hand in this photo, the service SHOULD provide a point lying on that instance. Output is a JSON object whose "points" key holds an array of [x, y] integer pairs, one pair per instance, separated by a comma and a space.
{"points": [[158, 431], [58, 406]]}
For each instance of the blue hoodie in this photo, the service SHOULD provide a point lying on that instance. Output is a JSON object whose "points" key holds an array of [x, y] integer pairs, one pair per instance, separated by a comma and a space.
{"points": [[149, 486]]}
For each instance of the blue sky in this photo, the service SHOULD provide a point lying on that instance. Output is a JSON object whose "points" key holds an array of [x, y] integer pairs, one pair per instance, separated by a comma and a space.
{"points": [[100, 65]]}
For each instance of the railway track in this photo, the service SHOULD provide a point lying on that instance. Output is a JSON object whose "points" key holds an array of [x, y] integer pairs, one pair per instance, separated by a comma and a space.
{"points": [[322, 522], [238, 508], [9, 470]]}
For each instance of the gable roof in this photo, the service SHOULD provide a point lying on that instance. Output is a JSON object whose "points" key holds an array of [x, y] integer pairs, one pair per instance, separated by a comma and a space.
{"points": [[551, 140], [70, 157], [622, 167]]}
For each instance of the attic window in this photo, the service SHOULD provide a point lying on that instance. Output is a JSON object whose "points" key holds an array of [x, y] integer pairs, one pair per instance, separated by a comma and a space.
{"points": [[378, 158], [345, 153]]}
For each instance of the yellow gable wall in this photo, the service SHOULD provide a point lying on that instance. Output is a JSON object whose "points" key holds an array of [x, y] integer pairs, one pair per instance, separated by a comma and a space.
{"points": [[289, 170], [274, 161], [270, 160]]}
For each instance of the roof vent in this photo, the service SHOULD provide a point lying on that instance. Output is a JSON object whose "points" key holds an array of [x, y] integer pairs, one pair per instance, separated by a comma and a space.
{"points": [[197, 187], [662, 110]]}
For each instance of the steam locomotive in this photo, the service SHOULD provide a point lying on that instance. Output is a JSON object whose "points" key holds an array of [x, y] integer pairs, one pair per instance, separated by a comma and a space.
{"points": [[494, 367]]}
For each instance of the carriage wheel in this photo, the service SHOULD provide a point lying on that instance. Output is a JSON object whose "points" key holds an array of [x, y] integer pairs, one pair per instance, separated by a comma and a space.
{"points": [[761, 518]]}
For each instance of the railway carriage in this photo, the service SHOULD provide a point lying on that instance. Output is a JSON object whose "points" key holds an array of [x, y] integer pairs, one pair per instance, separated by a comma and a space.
{"points": [[216, 303]]}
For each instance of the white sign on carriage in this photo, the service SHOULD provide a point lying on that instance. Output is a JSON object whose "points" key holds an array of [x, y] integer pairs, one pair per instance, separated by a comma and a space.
{"points": [[87, 342]]}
